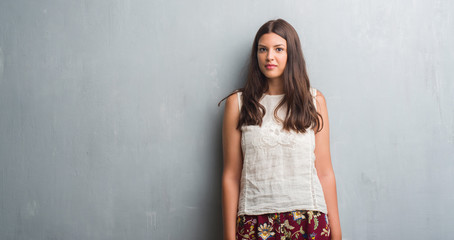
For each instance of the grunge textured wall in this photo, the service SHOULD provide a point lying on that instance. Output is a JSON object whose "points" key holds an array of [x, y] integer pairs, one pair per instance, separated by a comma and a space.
{"points": [[110, 129]]}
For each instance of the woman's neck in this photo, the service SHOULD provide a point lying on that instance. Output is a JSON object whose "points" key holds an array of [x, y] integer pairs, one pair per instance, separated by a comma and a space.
{"points": [[275, 87]]}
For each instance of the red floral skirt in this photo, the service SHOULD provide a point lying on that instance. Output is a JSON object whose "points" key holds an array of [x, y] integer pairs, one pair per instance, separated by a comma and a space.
{"points": [[299, 224]]}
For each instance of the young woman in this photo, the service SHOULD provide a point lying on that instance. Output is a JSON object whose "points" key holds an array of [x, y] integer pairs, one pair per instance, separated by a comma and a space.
{"points": [[278, 180]]}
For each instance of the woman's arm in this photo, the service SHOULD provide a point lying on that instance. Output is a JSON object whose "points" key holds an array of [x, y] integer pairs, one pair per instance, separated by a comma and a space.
{"points": [[325, 169], [233, 164]]}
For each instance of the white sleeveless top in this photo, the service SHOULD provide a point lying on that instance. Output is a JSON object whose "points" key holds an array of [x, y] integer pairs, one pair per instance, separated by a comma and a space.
{"points": [[279, 172]]}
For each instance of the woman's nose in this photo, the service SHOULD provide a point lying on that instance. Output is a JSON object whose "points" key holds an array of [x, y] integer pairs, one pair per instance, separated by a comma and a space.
{"points": [[269, 55]]}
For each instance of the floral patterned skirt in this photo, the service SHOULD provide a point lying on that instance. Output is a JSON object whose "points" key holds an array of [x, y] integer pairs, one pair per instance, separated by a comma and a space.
{"points": [[298, 224]]}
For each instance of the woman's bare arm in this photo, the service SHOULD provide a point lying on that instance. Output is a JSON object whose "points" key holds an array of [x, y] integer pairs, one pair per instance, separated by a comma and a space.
{"points": [[233, 164], [325, 169]]}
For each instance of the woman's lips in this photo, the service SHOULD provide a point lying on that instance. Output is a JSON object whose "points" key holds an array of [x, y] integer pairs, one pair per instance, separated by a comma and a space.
{"points": [[270, 66]]}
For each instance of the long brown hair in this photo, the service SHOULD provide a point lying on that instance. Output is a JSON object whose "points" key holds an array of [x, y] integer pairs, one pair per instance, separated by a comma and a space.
{"points": [[301, 112]]}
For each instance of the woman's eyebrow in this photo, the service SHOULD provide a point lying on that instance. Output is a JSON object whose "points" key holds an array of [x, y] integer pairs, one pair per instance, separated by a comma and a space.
{"points": [[260, 45]]}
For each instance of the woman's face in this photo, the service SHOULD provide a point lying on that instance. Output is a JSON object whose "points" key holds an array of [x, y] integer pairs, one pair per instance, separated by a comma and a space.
{"points": [[272, 55]]}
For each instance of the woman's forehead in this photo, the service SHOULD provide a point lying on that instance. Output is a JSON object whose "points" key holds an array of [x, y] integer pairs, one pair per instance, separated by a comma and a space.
{"points": [[271, 39]]}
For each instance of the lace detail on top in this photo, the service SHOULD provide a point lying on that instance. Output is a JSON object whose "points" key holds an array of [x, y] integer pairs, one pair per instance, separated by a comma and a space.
{"points": [[279, 172]]}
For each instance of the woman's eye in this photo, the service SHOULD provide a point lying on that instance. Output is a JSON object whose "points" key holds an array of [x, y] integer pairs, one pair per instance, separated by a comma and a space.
{"points": [[279, 49], [262, 49]]}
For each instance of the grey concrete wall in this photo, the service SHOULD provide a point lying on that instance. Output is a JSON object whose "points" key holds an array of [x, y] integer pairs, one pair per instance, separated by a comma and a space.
{"points": [[109, 125]]}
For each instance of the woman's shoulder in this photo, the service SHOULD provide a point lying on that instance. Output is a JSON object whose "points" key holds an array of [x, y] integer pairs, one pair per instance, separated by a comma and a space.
{"points": [[319, 98], [320, 101], [316, 93], [233, 101]]}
